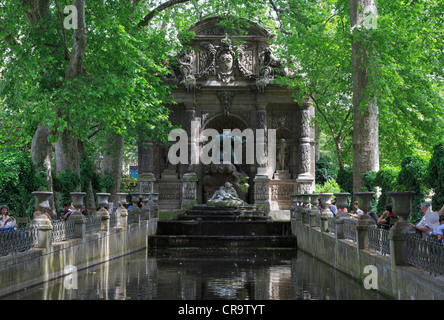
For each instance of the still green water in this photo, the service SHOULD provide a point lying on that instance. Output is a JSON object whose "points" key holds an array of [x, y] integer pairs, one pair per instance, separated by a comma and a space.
{"points": [[205, 275]]}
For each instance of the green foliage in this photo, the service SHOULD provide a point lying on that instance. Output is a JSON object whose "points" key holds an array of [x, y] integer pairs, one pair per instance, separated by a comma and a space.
{"points": [[345, 180], [412, 176], [64, 183], [18, 179], [106, 183], [386, 179], [325, 170], [128, 184], [435, 175], [330, 186]]}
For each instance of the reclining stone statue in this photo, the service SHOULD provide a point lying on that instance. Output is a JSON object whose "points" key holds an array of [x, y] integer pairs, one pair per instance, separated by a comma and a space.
{"points": [[226, 195]]}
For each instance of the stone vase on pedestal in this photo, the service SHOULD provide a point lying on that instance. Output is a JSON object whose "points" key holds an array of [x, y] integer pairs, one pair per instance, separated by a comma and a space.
{"points": [[102, 201], [41, 222], [134, 212], [145, 210], [326, 212], [400, 230], [364, 221], [77, 216], [154, 214], [305, 212], [342, 200], [314, 208], [121, 211], [365, 200]]}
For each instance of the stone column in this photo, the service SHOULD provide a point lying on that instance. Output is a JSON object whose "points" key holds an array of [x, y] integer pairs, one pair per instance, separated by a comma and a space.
{"points": [[306, 173], [261, 180], [189, 179], [154, 212], [146, 177]]}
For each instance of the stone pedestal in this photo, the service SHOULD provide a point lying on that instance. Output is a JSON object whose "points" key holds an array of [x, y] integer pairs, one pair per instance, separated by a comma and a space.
{"points": [[362, 225], [398, 243], [44, 231], [261, 193], [339, 220], [189, 190]]}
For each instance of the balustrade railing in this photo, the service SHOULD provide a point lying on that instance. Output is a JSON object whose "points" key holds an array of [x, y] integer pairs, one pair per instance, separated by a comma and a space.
{"points": [[350, 229], [331, 222], [426, 254], [113, 220], [13, 241], [318, 219], [379, 239], [93, 224], [62, 230]]}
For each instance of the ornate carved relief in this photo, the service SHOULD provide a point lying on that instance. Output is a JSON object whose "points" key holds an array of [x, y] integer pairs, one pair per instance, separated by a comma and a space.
{"points": [[261, 191], [169, 191], [225, 61], [305, 157], [225, 98], [283, 120], [269, 66], [281, 191]]}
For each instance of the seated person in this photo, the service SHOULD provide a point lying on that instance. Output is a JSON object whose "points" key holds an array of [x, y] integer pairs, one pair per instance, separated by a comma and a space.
{"points": [[6, 221], [438, 230], [66, 212], [384, 219], [358, 211], [429, 221]]}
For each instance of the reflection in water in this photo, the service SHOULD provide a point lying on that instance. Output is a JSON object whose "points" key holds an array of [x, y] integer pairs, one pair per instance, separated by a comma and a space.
{"points": [[197, 275]]}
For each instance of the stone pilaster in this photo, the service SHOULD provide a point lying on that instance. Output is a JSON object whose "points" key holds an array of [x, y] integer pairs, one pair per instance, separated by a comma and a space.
{"points": [[306, 145], [146, 177], [189, 190]]}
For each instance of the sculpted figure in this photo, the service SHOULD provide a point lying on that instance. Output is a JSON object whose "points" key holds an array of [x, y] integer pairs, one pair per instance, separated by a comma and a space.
{"points": [[282, 154]]}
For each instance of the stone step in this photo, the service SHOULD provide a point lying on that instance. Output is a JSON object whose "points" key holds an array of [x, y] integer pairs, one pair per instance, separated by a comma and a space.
{"points": [[224, 228], [222, 242], [226, 217]]}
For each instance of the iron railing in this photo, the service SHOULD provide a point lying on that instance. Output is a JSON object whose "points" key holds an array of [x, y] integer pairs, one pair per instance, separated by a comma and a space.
{"points": [[93, 224], [331, 222], [63, 230], [426, 254], [379, 239], [17, 240], [350, 229]]}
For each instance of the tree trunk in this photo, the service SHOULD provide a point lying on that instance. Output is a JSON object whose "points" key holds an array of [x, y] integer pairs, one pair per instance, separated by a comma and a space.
{"points": [[113, 160], [41, 155], [365, 121]]}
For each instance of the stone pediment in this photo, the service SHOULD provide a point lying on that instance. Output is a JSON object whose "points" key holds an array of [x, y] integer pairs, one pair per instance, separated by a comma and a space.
{"points": [[217, 58], [211, 27]]}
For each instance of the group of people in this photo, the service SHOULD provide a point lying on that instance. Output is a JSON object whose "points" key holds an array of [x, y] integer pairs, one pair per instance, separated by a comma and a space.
{"points": [[431, 224], [386, 220]]}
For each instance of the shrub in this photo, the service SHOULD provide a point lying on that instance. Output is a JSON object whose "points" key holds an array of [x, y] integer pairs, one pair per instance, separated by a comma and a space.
{"points": [[325, 170], [386, 179], [345, 180], [330, 186], [413, 176], [18, 179], [435, 176], [64, 183]]}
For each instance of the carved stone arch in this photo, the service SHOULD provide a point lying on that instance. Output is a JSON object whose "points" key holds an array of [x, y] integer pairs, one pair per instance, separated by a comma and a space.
{"points": [[219, 122]]}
